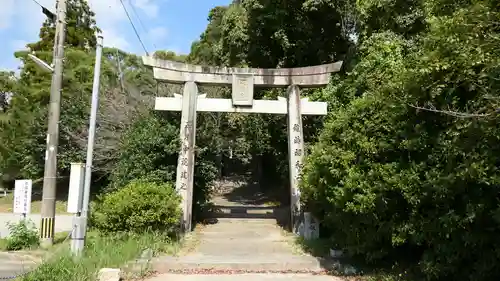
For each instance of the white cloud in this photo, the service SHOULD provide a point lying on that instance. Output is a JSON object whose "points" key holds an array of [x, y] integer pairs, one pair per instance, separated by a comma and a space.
{"points": [[112, 39], [111, 17], [150, 9], [107, 12]]}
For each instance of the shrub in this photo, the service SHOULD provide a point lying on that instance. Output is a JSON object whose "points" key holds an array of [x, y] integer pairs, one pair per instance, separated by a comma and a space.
{"points": [[150, 149], [23, 235], [393, 183], [138, 207]]}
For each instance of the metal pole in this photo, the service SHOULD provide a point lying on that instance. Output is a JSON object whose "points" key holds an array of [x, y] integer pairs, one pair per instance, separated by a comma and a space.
{"points": [[81, 221], [50, 170]]}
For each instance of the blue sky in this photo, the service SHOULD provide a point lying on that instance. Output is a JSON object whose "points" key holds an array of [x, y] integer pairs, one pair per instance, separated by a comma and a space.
{"points": [[166, 24]]}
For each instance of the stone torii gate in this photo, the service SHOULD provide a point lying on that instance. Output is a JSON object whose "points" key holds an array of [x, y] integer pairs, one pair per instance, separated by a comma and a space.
{"points": [[243, 81]]}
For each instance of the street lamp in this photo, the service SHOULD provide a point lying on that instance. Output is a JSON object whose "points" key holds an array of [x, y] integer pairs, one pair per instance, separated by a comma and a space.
{"points": [[43, 65]]}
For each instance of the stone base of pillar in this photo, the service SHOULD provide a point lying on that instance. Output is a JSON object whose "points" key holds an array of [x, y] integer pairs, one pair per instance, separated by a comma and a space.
{"points": [[311, 227], [298, 223], [306, 225]]}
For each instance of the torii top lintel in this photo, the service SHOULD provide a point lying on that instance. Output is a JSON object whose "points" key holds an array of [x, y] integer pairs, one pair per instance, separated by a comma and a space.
{"points": [[177, 72]]}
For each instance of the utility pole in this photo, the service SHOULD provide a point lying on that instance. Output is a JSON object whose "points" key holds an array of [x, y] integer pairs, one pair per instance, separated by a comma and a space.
{"points": [[81, 221], [50, 172]]}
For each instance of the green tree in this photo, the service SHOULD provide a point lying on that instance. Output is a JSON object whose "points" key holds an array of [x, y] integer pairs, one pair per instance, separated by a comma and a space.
{"points": [[81, 29], [7, 87], [203, 50], [407, 161]]}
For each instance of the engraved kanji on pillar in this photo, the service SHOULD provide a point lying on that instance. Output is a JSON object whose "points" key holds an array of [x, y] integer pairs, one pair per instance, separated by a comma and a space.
{"points": [[185, 163], [295, 152]]}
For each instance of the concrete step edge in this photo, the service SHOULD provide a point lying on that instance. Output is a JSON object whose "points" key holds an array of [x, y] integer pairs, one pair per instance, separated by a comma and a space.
{"points": [[256, 259], [165, 268]]}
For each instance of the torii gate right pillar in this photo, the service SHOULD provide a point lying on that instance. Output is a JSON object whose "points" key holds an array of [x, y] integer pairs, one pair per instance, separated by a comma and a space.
{"points": [[295, 153]]}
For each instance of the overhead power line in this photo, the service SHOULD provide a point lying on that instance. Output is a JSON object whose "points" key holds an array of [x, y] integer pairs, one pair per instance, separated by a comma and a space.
{"points": [[38, 3], [137, 16], [46, 11], [144, 29], [133, 26]]}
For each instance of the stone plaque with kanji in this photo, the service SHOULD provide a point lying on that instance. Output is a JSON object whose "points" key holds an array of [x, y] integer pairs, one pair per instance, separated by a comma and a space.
{"points": [[242, 90]]}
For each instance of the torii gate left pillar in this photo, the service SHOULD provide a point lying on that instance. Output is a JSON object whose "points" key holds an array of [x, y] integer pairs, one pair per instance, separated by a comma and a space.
{"points": [[243, 81]]}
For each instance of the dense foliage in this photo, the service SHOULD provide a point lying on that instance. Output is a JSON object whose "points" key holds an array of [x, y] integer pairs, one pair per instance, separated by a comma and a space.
{"points": [[407, 163], [140, 206]]}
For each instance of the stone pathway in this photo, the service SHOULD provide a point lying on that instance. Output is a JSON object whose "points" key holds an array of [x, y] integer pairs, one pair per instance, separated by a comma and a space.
{"points": [[16, 263], [242, 241]]}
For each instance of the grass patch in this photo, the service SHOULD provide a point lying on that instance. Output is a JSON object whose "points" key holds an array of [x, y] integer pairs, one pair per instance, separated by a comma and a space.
{"points": [[100, 251], [3, 244], [316, 247], [6, 205], [59, 238]]}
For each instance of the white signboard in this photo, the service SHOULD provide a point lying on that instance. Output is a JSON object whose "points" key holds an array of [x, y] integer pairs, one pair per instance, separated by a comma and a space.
{"points": [[22, 197], [75, 194]]}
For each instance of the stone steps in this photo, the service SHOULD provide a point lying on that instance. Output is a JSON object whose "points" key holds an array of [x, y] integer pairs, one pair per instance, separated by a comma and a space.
{"points": [[258, 221], [249, 238], [245, 277], [240, 238], [227, 211], [232, 262], [237, 249]]}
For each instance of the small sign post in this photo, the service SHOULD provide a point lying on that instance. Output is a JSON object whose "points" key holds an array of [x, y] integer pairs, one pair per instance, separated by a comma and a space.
{"points": [[22, 197]]}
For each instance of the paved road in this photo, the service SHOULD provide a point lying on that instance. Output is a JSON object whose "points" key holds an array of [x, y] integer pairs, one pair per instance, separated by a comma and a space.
{"points": [[245, 277], [12, 264], [63, 222]]}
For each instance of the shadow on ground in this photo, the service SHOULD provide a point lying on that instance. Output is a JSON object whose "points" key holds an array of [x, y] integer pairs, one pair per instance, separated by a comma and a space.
{"points": [[356, 266], [251, 193], [280, 214], [241, 198]]}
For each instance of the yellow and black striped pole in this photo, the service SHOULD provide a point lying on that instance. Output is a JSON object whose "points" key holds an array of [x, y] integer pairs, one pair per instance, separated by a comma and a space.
{"points": [[47, 228]]}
